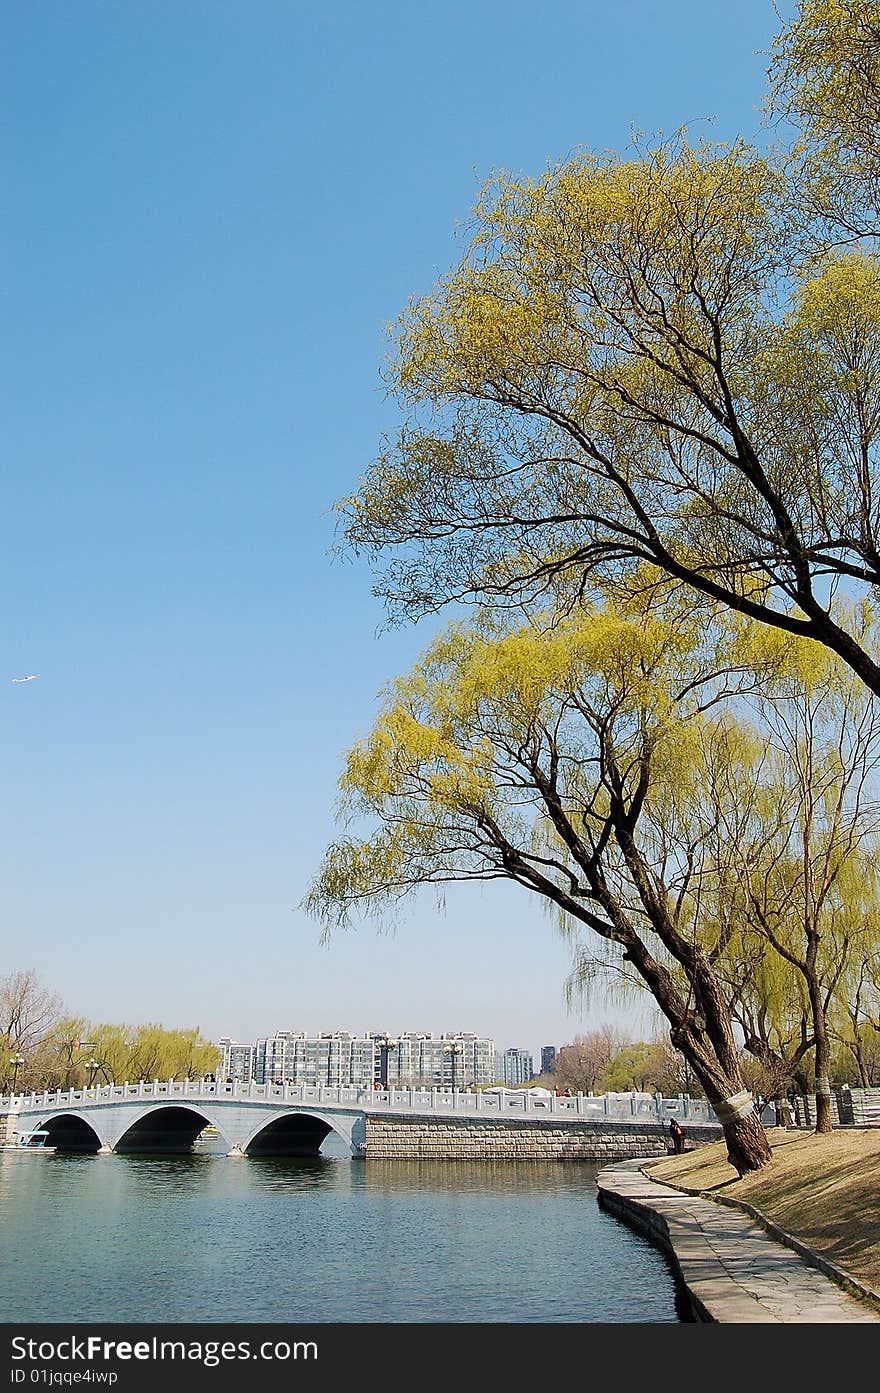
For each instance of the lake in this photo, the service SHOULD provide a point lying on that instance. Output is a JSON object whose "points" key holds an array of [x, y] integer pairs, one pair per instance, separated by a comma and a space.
{"points": [[210, 1238]]}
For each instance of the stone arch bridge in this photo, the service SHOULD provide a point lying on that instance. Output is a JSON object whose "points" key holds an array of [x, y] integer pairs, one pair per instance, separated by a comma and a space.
{"points": [[294, 1120]]}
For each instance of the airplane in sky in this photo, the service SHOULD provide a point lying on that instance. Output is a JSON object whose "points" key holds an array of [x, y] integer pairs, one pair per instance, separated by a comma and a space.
{"points": [[31, 677]]}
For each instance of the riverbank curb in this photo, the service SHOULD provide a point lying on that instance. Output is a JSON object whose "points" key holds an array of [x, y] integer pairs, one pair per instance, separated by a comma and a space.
{"points": [[732, 1267]]}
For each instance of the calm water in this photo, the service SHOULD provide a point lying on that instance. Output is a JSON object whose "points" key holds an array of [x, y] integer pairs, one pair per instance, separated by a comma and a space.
{"points": [[207, 1238]]}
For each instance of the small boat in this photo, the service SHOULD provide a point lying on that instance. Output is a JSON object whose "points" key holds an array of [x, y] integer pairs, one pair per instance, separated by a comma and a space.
{"points": [[29, 1141]]}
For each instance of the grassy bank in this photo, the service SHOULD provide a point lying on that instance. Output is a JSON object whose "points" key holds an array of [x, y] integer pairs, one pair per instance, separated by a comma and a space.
{"points": [[823, 1190]]}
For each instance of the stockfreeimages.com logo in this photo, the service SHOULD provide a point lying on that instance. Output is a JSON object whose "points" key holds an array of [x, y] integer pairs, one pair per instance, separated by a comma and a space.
{"points": [[92, 1349]]}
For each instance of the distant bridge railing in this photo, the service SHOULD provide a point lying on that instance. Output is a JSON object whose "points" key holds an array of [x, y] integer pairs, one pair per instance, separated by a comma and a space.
{"points": [[509, 1102]]}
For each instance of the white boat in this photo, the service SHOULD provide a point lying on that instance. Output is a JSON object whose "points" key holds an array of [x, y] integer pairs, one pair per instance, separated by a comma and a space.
{"points": [[29, 1141]]}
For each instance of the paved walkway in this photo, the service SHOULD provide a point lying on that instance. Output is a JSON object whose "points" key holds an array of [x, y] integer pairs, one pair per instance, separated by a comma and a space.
{"points": [[732, 1268]]}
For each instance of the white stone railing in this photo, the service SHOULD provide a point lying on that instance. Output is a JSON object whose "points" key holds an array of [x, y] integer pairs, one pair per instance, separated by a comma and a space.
{"points": [[648, 1107]]}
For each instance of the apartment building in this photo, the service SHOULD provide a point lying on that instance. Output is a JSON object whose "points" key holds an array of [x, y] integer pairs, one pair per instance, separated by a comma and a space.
{"points": [[514, 1067], [413, 1059], [236, 1060]]}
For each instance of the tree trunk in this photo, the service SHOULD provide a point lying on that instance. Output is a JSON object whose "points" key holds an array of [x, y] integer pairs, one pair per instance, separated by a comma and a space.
{"points": [[706, 1040], [822, 1087], [824, 1115], [747, 1146]]}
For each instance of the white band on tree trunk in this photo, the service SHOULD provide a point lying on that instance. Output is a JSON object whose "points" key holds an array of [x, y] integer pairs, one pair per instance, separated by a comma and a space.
{"points": [[740, 1105]]}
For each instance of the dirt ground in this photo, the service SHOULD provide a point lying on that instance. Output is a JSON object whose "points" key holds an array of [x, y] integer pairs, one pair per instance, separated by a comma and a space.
{"points": [[823, 1190]]}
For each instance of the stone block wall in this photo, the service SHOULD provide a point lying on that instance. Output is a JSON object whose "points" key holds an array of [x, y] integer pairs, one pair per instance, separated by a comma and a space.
{"points": [[805, 1110], [517, 1139]]}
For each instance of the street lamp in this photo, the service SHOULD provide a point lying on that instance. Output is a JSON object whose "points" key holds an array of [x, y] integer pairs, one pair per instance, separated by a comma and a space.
{"points": [[93, 1065], [16, 1061], [453, 1050], [386, 1045]]}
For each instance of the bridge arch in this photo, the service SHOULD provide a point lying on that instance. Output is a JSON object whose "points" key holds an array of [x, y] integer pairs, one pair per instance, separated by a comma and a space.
{"points": [[172, 1129], [169, 1131], [291, 1134], [69, 1131]]}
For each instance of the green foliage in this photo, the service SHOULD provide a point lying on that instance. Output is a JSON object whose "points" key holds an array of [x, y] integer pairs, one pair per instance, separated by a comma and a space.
{"points": [[131, 1053], [605, 1060], [629, 1070], [61, 1051]]}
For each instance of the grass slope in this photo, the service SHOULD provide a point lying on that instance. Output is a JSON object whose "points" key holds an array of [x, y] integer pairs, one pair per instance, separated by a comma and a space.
{"points": [[823, 1190]]}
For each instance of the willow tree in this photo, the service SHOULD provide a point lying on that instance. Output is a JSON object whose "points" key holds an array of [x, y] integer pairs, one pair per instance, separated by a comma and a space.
{"points": [[825, 79], [704, 831], [769, 1006], [536, 756], [856, 1020], [147, 1051], [639, 360], [810, 886], [735, 821], [808, 907], [73, 1051]]}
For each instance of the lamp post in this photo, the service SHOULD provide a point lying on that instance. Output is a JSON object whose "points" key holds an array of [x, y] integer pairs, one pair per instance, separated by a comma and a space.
{"points": [[93, 1065], [16, 1061], [386, 1045], [453, 1050]]}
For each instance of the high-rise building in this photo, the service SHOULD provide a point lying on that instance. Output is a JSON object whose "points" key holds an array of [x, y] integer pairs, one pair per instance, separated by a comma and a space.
{"points": [[292, 1056], [548, 1059], [236, 1060], [514, 1067], [459, 1059]]}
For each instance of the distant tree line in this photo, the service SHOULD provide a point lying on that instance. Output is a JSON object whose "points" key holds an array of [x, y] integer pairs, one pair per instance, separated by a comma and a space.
{"points": [[43, 1046], [608, 1060]]}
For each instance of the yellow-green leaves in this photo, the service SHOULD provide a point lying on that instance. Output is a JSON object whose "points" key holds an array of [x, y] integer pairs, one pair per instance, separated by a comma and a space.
{"points": [[789, 666], [570, 275], [827, 66], [663, 358], [837, 322], [825, 77], [478, 690], [499, 732], [841, 300], [528, 737]]}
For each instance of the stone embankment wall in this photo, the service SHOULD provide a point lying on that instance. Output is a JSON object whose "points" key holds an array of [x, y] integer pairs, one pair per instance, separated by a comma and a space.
{"points": [[515, 1139]]}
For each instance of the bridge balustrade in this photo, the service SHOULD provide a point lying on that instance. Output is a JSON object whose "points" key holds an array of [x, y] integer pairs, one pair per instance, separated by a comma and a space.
{"points": [[609, 1105]]}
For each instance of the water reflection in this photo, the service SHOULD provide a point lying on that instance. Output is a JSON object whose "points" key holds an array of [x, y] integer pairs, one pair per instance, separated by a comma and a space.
{"points": [[479, 1177]]}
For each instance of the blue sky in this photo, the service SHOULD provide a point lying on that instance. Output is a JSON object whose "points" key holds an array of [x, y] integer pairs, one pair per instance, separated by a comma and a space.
{"points": [[212, 210]]}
